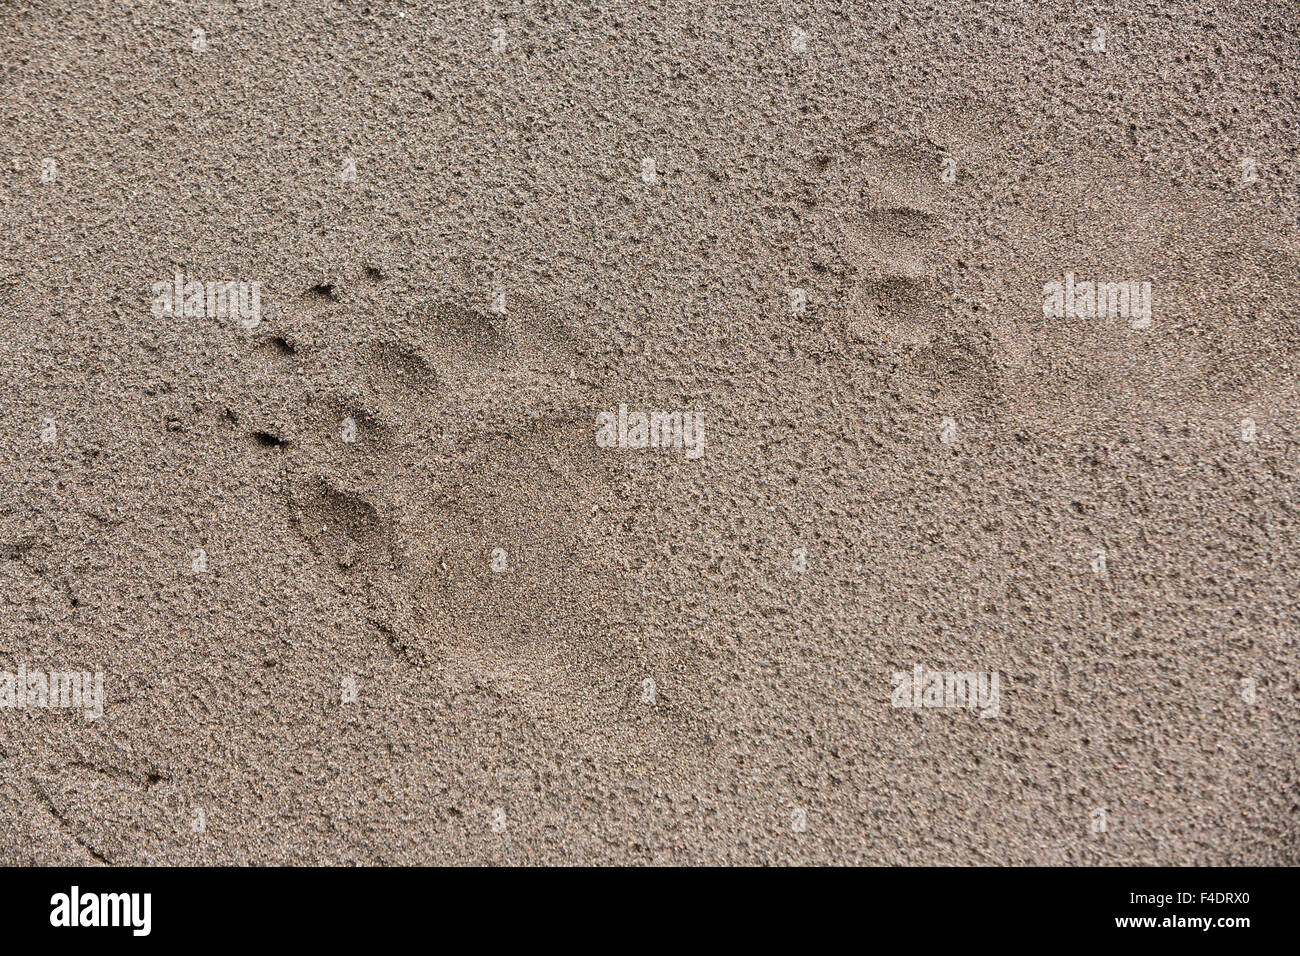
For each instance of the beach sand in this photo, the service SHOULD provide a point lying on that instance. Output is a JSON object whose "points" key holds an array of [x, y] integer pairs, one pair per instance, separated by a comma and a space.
{"points": [[363, 586]]}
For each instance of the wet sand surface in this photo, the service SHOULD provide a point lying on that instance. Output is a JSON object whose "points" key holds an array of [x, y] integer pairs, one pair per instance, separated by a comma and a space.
{"points": [[366, 585]]}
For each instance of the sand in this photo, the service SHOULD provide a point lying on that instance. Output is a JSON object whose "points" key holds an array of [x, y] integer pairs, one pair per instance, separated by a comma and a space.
{"points": [[364, 588]]}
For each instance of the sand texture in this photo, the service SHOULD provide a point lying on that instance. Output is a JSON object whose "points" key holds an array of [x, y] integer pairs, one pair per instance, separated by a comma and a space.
{"points": [[366, 583]]}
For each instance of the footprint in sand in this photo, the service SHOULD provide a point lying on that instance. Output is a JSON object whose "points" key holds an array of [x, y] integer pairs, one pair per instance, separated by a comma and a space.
{"points": [[902, 255], [451, 472]]}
